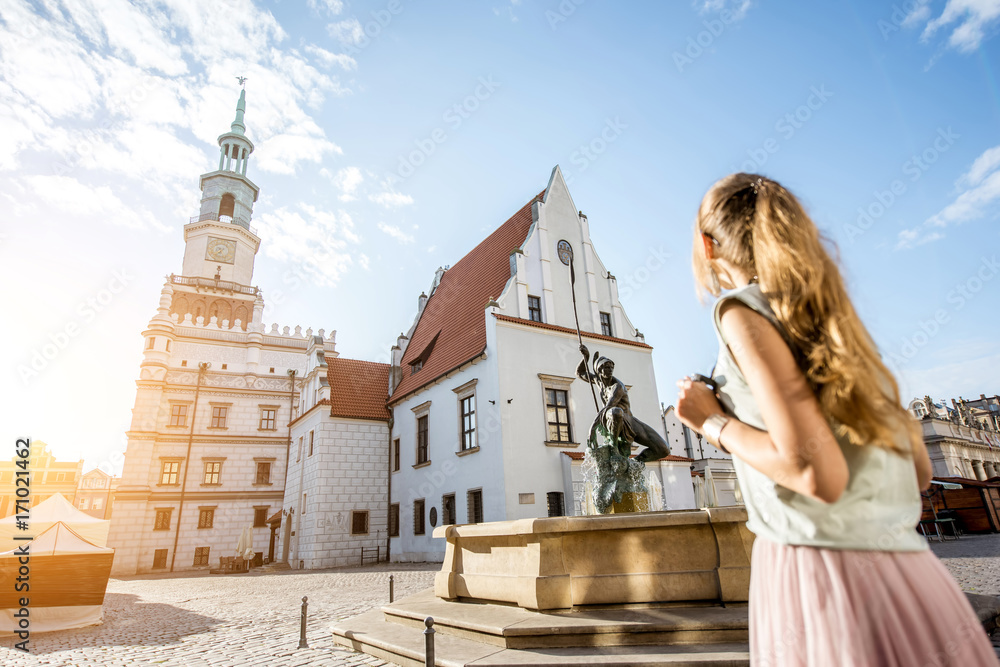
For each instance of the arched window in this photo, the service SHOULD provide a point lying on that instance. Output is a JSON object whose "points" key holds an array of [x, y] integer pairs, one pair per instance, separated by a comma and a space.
{"points": [[227, 206]]}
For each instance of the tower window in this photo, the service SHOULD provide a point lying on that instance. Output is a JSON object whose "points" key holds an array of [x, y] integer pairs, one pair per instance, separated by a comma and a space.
{"points": [[227, 206], [150, 342]]}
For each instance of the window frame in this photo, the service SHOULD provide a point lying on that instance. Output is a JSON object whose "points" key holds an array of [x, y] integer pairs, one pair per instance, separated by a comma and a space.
{"points": [[448, 517], [163, 512], [206, 518], [201, 556], [213, 470], [175, 473], [423, 436], [470, 515], [312, 440], [606, 327], [419, 517], [160, 559], [265, 419], [555, 503], [358, 514], [260, 511], [564, 384], [178, 415], [556, 393], [535, 308], [256, 474], [394, 520], [220, 416], [395, 455]]}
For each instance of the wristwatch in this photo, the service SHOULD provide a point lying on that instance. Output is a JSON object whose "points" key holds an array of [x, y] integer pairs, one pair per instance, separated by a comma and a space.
{"points": [[712, 428]]}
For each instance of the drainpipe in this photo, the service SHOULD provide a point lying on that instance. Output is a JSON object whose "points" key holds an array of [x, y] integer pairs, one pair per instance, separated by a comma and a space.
{"points": [[388, 496], [288, 445], [202, 367]]}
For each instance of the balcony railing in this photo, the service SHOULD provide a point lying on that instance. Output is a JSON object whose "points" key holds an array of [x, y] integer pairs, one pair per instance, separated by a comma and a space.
{"points": [[210, 283], [239, 222]]}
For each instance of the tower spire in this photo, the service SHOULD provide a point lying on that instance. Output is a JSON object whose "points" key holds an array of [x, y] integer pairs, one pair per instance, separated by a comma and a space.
{"points": [[241, 107], [235, 147]]}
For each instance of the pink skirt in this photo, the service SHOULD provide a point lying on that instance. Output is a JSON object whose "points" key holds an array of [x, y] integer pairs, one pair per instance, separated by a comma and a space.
{"points": [[839, 608]]}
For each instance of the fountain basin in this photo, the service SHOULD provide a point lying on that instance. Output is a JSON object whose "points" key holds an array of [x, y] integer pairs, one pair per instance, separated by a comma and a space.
{"points": [[685, 556]]}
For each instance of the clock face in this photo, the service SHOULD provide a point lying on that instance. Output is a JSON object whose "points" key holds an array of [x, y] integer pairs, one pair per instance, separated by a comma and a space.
{"points": [[221, 250], [565, 252]]}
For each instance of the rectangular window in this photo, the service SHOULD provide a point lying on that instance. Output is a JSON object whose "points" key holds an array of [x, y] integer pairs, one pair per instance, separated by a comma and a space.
{"points": [[554, 499], [298, 452], [162, 520], [97, 504], [263, 472], [150, 342], [178, 415], [219, 416], [159, 559], [201, 555], [394, 520], [312, 438], [468, 409], [304, 498], [213, 472], [169, 472], [359, 522], [206, 518], [422, 440], [395, 454], [448, 509], [83, 503], [418, 517], [260, 517], [268, 418], [475, 506], [416, 365], [534, 309], [557, 415], [606, 324]]}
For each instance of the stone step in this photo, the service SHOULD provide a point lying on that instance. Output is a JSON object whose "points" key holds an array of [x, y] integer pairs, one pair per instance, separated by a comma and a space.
{"points": [[508, 626], [403, 645]]}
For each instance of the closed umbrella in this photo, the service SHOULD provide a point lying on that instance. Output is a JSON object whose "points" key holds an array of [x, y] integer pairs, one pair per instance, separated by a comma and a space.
{"points": [[711, 498], [248, 547]]}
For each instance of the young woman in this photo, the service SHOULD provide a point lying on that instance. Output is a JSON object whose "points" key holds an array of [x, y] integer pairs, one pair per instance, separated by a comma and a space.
{"points": [[829, 463]]}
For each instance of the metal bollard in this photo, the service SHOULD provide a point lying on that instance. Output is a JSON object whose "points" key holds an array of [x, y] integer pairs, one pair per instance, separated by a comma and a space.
{"points": [[390, 588], [302, 628], [429, 642]]}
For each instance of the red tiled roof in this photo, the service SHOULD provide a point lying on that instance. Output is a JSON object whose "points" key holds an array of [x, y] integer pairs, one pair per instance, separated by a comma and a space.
{"points": [[578, 456], [454, 315], [585, 334], [358, 389]]}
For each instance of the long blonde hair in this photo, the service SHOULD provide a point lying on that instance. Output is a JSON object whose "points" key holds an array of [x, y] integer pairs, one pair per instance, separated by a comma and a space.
{"points": [[761, 228]]}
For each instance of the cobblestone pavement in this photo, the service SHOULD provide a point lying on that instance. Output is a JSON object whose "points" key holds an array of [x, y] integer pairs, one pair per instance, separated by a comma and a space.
{"points": [[253, 619], [224, 620]]}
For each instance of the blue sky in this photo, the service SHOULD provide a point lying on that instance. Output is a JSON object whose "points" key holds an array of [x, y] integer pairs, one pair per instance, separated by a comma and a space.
{"points": [[883, 118]]}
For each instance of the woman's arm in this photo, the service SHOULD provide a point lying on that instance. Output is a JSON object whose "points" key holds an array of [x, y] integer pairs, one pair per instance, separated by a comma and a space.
{"points": [[798, 450]]}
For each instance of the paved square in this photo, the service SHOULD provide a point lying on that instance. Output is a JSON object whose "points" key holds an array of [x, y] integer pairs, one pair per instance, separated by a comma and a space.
{"points": [[253, 619]]}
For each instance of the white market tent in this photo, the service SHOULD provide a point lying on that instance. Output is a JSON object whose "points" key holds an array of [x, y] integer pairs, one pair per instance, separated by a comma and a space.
{"points": [[52, 510], [68, 577]]}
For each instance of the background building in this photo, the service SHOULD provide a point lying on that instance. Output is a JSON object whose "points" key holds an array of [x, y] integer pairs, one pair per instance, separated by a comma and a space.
{"points": [[96, 493], [48, 476], [715, 483], [963, 440]]}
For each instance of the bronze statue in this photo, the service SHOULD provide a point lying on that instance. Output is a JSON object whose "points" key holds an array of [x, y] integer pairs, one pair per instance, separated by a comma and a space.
{"points": [[616, 415]]}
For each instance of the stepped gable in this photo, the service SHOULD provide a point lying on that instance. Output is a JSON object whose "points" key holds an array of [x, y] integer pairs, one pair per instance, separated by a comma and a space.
{"points": [[452, 328], [358, 389]]}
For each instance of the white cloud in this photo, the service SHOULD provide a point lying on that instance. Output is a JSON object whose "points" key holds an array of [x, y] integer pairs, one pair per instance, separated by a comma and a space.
{"points": [[738, 8], [330, 7], [979, 191], [319, 243], [346, 180], [329, 59], [69, 195], [391, 199], [396, 233], [348, 31], [973, 18]]}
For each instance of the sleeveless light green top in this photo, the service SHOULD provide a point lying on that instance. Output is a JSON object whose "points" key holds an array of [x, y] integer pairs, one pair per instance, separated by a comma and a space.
{"points": [[879, 509]]}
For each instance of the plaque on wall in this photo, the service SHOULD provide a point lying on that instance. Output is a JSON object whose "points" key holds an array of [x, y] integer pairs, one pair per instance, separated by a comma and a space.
{"points": [[221, 250]]}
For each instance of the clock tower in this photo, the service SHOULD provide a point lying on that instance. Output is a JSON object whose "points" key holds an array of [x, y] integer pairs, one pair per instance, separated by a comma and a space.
{"points": [[219, 241]]}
